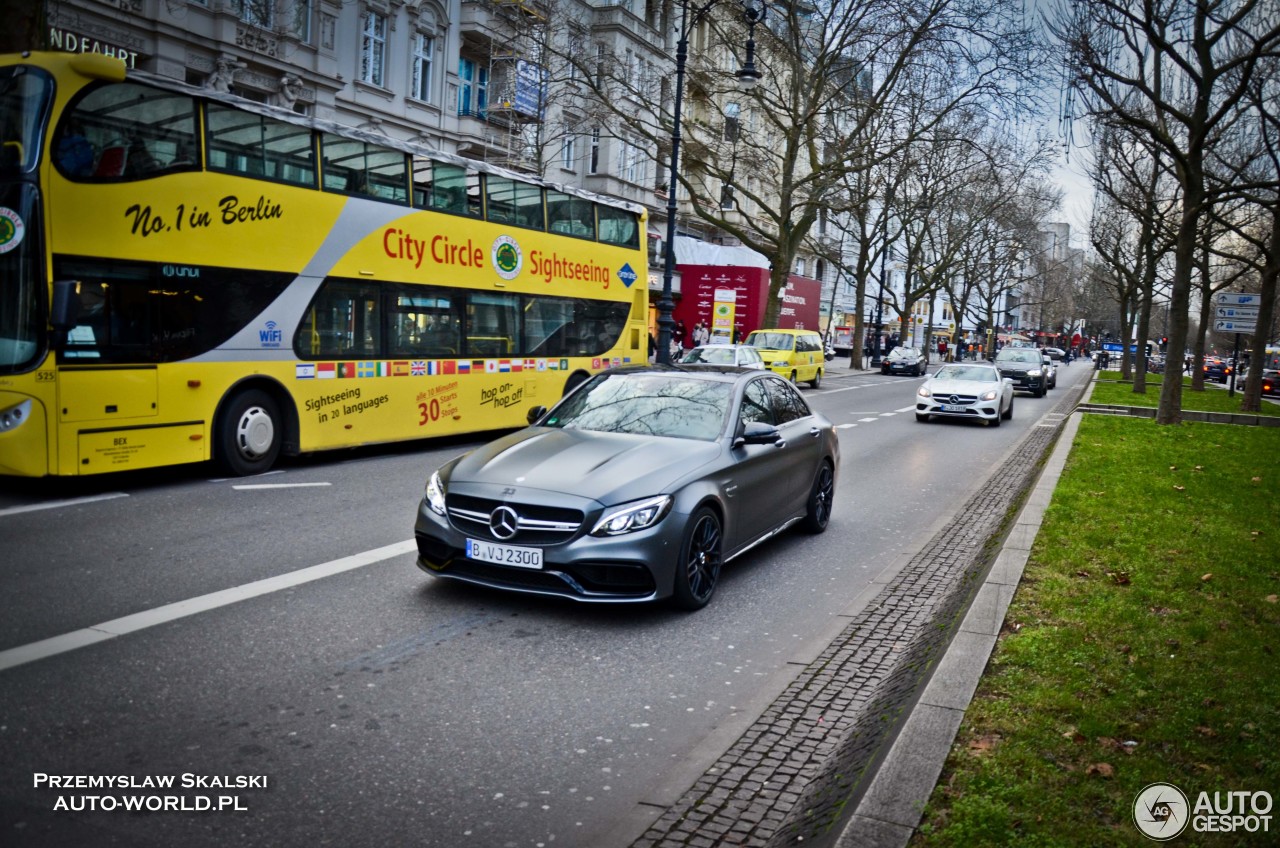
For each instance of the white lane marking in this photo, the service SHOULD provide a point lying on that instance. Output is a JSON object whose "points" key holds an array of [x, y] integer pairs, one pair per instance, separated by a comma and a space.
{"points": [[845, 426], [14, 510], [905, 409], [263, 474], [887, 414], [866, 420], [54, 645], [278, 486]]}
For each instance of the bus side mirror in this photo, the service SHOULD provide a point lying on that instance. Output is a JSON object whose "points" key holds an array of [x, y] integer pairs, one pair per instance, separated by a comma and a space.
{"points": [[65, 312]]}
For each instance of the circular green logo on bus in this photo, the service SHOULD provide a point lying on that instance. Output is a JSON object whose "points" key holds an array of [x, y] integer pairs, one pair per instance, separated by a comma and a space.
{"points": [[11, 229], [507, 259]]}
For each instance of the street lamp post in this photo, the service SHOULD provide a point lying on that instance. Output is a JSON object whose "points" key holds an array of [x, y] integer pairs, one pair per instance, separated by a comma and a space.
{"points": [[879, 348], [748, 76]]}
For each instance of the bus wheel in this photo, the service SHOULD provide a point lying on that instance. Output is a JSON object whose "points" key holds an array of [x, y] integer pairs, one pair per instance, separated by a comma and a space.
{"points": [[249, 435]]}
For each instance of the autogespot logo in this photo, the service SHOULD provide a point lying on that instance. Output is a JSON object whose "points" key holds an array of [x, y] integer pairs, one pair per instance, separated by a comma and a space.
{"points": [[1161, 811]]}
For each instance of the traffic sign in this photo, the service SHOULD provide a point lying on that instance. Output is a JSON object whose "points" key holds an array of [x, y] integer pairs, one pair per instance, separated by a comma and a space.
{"points": [[1245, 313], [1228, 326], [1236, 299]]}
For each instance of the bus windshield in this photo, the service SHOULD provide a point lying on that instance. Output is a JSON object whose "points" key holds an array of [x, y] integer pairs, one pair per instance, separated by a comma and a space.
{"points": [[25, 93], [24, 104]]}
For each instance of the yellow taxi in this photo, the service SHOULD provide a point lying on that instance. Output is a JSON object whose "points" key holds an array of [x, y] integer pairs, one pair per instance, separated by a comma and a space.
{"points": [[798, 355]]}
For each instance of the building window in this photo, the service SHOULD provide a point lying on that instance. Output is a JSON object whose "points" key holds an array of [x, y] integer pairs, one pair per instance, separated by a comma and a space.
{"points": [[473, 92], [301, 26], [631, 161], [593, 166], [600, 62], [373, 49], [731, 126], [575, 49], [568, 153], [423, 47], [259, 13]]}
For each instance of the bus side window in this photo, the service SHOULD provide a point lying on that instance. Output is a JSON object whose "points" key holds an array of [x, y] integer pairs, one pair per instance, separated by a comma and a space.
{"points": [[137, 131]]}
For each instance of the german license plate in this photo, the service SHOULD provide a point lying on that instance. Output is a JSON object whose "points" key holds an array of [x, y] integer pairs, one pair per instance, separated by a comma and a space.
{"points": [[504, 554], [950, 407]]}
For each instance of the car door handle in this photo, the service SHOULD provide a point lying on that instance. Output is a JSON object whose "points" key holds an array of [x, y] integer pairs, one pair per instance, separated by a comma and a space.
{"points": [[815, 432]]}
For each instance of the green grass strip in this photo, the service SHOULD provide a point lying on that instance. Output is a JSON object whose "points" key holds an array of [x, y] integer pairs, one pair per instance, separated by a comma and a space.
{"points": [[1212, 399], [1141, 646]]}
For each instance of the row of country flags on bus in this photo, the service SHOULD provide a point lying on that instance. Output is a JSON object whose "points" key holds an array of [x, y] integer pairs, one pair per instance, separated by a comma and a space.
{"points": [[425, 367]]}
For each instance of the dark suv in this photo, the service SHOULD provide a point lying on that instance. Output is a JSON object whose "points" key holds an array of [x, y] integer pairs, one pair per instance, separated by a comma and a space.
{"points": [[1022, 365]]}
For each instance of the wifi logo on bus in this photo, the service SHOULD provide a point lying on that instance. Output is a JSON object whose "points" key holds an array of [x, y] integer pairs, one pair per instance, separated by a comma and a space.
{"points": [[270, 336]]}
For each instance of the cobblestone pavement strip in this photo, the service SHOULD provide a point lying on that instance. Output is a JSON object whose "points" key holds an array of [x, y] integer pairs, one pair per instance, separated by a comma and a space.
{"points": [[795, 775]]}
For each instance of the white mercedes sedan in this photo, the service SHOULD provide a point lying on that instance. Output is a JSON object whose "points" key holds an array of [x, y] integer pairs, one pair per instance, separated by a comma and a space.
{"points": [[962, 390]]}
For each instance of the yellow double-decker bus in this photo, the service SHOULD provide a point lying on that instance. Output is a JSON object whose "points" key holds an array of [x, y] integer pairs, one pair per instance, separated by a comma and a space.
{"points": [[188, 276]]}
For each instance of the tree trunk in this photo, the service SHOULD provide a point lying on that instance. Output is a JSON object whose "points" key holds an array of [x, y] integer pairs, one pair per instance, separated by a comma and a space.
{"points": [[1252, 401]]}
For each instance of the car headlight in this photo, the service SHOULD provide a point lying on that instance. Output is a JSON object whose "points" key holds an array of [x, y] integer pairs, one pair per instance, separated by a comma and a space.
{"points": [[1034, 372], [633, 516], [990, 395], [923, 391], [435, 494]]}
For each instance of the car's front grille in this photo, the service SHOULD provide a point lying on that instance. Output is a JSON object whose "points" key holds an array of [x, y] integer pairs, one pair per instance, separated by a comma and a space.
{"points": [[535, 524], [604, 580]]}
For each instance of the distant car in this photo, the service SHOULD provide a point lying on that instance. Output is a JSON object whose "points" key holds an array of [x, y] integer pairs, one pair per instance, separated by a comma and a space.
{"points": [[964, 390], [1023, 365], [1055, 353], [1050, 371], [1271, 383], [1217, 369], [744, 356], [637, 486], [904, 360]]}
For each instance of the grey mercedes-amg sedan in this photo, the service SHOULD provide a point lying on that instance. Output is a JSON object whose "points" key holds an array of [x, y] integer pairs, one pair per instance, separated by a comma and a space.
{"points": [[638, 485]]}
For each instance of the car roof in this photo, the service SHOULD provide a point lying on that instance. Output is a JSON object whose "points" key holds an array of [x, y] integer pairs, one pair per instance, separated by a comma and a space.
{"points": [[702, 371]]}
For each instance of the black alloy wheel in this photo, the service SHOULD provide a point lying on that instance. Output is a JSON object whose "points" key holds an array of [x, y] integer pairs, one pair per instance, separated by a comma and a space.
{"points": [[698, 570], [821, 499]]}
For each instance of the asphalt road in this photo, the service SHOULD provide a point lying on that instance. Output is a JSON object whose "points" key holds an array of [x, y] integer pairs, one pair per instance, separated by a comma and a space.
{"points": [[381, 707]]}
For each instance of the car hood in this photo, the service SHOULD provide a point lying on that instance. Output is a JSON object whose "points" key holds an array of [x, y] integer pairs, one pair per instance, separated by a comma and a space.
{"points": [[605, 467], [960, 387], [1010, 365]]}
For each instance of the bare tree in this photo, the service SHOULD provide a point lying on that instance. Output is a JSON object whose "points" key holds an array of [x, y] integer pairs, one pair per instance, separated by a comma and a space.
{"points": [[1174, 71], [835, 75]]}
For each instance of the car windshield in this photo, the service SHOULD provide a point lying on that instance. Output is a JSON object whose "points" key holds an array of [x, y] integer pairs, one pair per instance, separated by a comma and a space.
{"points": [[979, 373], [710, 355], [1008, 355], [650, 404], [903, 353], [771, 341]]}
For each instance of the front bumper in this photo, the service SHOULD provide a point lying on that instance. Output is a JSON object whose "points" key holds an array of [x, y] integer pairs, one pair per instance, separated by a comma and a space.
{"points": [[1023, 383], [981, 410], [630, 568]]}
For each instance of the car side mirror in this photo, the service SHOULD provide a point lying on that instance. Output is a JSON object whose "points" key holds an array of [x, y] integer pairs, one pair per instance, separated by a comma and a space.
{"points": [[758, 433], [535, 413]]}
